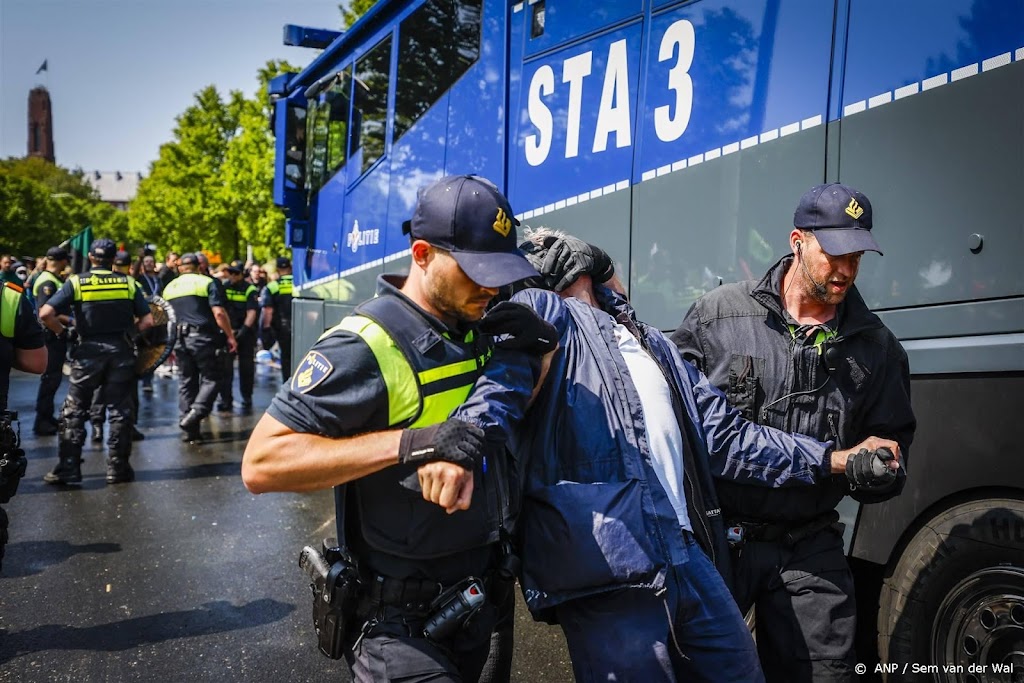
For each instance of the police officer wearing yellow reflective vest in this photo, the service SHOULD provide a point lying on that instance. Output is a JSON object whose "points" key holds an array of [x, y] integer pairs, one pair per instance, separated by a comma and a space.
{"points": [[276, 321], [106, 305], [21, 347], [368, 408], [46, 285], [204, 336], [243, 308]]}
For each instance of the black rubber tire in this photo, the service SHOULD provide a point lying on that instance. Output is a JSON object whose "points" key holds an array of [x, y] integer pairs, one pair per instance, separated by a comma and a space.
{"points": [[984, 536]]}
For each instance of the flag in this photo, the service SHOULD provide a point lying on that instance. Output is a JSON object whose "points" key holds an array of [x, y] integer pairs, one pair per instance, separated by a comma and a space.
{"points": [[79, 248], [43, 67]]}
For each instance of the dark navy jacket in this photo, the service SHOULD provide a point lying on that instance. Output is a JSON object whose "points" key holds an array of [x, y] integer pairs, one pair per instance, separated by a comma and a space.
{"points": [[595, 518]]}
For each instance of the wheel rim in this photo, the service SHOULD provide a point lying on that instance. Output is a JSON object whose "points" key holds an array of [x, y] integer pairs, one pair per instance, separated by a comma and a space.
{"points": [[981, 624]]}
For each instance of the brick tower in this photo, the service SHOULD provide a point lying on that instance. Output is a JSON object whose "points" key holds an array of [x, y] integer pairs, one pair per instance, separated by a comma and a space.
{"points": [[40, 124]]}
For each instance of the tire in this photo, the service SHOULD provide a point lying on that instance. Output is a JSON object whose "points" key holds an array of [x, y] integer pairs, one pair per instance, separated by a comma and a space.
{"points": [[956, 596]]}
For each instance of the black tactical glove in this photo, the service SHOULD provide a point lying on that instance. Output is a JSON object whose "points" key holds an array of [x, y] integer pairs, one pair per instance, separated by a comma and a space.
{"points": [[525, 329], [453, 440], [568, 258], [869, 470], [267, 337]]}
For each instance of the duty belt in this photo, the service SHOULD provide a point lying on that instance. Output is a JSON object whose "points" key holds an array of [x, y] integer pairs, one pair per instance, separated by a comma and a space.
{"points": [[789, 533], [409, 594]]}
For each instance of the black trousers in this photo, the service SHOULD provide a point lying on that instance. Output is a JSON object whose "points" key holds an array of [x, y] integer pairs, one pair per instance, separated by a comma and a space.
{"points": [[49, 383], [246, 356], [200, 369], [806, 612], [95, 365], [284, 340]]}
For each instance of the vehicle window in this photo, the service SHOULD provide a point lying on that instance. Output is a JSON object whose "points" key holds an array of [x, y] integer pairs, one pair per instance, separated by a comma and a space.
{"points": [[327, 131], [370, 103], [436, 45]]}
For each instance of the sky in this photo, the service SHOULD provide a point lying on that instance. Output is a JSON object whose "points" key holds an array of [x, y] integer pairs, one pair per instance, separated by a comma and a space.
{"points": [[120, 71]]}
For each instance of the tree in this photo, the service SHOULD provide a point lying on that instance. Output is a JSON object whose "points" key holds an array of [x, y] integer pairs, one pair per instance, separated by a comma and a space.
{"points": [[42, 204], [184, 205], [354, 9]]}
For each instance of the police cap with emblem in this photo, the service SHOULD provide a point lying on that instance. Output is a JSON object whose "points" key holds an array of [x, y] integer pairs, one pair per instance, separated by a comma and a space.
{"points": [[57, 254], [467, 216], [840, 217], [103, 249]]}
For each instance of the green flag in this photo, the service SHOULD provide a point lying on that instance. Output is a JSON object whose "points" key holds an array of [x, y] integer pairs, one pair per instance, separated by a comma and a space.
{"points": [[79, 247]]}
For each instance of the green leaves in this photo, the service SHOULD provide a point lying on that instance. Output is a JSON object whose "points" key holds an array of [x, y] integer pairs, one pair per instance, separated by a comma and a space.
{"points": [[211, 187]]}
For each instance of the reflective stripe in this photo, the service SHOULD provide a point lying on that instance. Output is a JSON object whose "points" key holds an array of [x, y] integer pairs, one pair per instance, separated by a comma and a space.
{"points": [[281, 286], [10, 299], [102, 285], [188, 284], [409, 395], [235, 295]]}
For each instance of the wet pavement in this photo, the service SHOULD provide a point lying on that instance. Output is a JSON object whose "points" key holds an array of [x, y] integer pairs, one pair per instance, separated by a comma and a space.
{"points": [[181, 575]]}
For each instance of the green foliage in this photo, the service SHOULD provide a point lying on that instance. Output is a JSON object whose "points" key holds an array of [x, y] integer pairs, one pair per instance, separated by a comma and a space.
{"points": [[41, 205], [211, 187], [354, 9]]}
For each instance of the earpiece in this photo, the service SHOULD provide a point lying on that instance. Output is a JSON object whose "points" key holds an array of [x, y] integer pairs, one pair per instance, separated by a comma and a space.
{"points": [[798, 245]]}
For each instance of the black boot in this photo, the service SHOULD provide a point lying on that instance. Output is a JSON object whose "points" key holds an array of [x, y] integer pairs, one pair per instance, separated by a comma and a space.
{"points": [[137, 435], [45, 426], [119, 471], [190, 426], [68, 469]]}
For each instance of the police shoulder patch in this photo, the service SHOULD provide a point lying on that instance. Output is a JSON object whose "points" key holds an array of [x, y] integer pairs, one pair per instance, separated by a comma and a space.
{"points": [[313, 370]]}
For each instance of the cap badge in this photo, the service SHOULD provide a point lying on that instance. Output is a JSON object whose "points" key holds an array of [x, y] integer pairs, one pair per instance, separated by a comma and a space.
{"points": [[502, 223], [854, 209]]}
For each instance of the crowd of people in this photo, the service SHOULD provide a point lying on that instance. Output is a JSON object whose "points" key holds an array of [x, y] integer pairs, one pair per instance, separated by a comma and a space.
{"points": [[500, 413]]}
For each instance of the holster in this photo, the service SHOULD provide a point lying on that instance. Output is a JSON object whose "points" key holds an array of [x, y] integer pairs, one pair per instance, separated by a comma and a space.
{"points": [[334, 581]]}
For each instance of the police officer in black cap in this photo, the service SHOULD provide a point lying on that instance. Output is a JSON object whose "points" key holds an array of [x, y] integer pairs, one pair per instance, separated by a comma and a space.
{"points": [[243, 308], [45, 286], [204, 336], [106, 305], [368, 408], [21, 347], [276, 302]]}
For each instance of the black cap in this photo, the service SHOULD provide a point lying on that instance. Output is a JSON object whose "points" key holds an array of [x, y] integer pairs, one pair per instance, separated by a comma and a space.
{"points": [[122, 259], [188, 259], [467, 216], [103, 249], [283, 262], [57, 254], [236, 267], [840, 217]]}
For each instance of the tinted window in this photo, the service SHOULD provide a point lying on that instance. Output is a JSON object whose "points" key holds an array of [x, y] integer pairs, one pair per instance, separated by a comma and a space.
{"points": [[327, 131], [370, 103], [437, 44]]}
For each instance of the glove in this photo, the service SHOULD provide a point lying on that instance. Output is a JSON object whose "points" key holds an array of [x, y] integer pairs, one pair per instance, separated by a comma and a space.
{"points": [[69, 336], [525, 330], [869, 470], [267, 337], [453, 440], [568, 258]]}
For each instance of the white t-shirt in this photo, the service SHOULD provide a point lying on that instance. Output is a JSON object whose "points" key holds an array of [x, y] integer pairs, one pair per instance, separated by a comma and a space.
{"points": [[664, 439]]}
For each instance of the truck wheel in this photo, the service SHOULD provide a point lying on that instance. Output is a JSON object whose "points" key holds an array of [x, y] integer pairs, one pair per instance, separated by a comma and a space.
{"points": [[956, 596]]}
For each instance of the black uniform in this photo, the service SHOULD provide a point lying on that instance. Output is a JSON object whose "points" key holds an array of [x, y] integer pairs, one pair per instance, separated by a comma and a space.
{"points": [[241, 298], [45, 286], [19, 329], [792, 567], [201, 343], [407, 548], [278, 295], [105, 305]]}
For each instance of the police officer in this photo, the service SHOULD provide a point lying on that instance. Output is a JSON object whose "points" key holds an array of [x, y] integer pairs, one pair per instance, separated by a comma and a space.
{"points": [[276, 302], [368, 408], [98, 412], [21, 347], [106, 305], [204, 337], [242, 308], [45, 286], [799, 350]]}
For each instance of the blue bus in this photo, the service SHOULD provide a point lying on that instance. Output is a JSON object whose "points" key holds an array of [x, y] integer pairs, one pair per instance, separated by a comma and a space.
{"points": [[678, 135]]}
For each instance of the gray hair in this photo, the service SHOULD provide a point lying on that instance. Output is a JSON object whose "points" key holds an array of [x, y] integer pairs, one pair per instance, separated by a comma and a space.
{"points": [[540, 234]]}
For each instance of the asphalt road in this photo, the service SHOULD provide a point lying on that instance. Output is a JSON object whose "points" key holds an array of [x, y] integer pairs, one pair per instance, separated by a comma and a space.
{"points": [[181, 575]]}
